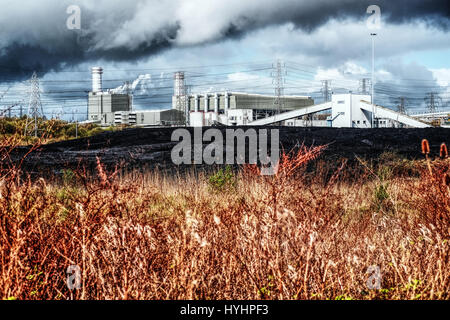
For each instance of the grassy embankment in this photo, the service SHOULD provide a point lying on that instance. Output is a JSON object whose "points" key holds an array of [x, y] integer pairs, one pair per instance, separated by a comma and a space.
{"points": [[48, 130]]}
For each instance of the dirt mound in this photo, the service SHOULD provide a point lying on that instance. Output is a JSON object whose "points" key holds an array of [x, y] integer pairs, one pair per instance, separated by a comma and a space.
{"points": [[152, 147]]}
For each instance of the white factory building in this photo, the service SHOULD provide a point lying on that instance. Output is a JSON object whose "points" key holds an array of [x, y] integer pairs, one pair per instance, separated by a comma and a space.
{"points": [[344, 111], [347, 111], [243, 109], [236, 108]]}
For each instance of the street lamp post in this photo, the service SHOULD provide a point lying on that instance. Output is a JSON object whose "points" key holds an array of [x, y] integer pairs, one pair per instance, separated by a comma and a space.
{"points": [[373, 78]]}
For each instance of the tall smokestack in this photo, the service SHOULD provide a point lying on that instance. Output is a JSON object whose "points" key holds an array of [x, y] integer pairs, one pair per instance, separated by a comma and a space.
{"points": [[179, 85], [97, 79]]}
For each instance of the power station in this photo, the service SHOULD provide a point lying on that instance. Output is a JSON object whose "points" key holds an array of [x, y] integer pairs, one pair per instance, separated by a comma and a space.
{"points": [[231, 108], [102, 105], [108, 109]]}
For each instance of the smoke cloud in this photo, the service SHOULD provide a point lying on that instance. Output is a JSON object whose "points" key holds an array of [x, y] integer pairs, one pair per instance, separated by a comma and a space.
{"points": [[34, 36]]}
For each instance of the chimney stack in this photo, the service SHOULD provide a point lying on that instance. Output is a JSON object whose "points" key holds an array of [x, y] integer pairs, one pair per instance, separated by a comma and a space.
{"points": [[97, 79], [179, 85]]}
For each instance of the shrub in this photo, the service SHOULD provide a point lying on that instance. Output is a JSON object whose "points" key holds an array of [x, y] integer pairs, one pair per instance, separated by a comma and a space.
{"points": [[8, 127], [68, 177], [223, 180], [95, 131], [380, 194]]}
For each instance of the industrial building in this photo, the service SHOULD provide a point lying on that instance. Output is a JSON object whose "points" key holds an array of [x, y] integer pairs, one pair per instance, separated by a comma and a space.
{"points": [[348, 111], [147, 118], [260, 104], [107, 108], [234, 108], [238, 108], [102, 106]]}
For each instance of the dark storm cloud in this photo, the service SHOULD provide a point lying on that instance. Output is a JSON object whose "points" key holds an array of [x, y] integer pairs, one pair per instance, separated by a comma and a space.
{"points": [[399, 11], [34, 37]]}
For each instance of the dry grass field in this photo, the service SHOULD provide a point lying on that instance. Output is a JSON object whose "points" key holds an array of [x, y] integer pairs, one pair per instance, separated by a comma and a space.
{"points": [[309, 232]]}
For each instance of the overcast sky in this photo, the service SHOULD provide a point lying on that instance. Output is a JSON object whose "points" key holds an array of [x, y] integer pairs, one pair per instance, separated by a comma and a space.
{"points": [[222, 45]]}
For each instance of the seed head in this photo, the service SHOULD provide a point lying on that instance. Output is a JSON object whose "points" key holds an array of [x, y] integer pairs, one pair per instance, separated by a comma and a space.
{"points": [[425, 146], [216, 220], [446, 179], [444, 151]]}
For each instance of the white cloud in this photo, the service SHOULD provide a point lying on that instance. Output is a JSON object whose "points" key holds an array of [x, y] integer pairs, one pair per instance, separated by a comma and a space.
{"points": [[242, 76], [337, 42], [442, 76]]}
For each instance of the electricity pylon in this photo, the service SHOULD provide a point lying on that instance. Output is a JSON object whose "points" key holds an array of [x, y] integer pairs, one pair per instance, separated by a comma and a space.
{"points": [[326, 90], [35, 109], [278, 81]]}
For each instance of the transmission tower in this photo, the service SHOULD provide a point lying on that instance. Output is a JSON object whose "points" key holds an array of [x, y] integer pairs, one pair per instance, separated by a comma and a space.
{"points": [[401, 107], [129, 92], [279, 71], [433, 101], [35, 109], [365, 86], [326, 90]]}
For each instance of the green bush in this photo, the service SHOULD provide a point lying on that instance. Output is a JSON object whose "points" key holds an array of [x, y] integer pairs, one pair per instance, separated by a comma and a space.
{"points": [[68, 177], [9, 127], [223, 180], [82, 132], [94, 131], [381, 193], [380, 196], [70, 131], [51, 130]]}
